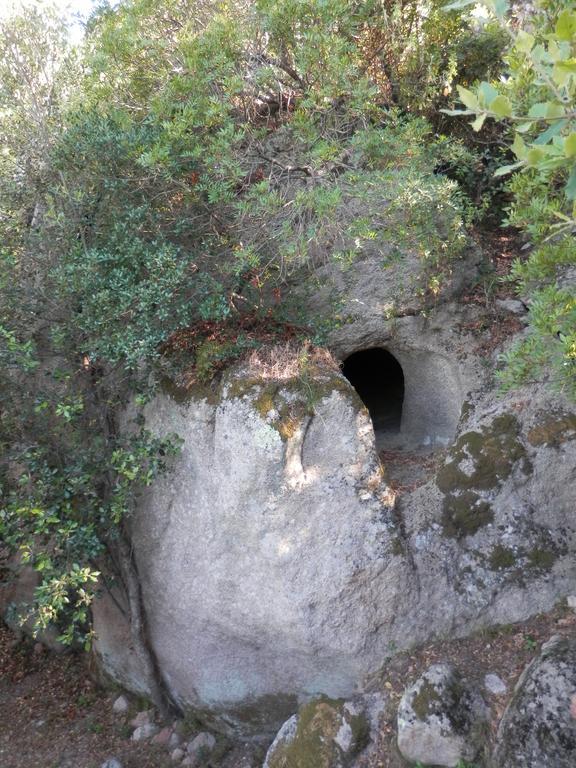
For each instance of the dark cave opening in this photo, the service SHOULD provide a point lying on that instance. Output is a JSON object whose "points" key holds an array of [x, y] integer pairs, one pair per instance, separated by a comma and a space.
{"points": [[379, 380]]}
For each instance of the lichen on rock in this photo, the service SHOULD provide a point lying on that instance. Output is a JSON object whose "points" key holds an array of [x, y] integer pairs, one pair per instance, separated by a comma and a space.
{"points": [[538, 728], [441, 721]]}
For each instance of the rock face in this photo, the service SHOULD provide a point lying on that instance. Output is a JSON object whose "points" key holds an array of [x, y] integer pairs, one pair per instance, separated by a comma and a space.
{"points": [[440, 720], [277, 564], [538, 729], [325, 733], [264, 556]]}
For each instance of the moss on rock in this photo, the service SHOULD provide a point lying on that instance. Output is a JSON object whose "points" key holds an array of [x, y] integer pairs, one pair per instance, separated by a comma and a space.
{"points": [[426, 700], [284, 403], [501, 558], [184, 395], [482, 460], [541, 559], [318, 742], [464, 514]]}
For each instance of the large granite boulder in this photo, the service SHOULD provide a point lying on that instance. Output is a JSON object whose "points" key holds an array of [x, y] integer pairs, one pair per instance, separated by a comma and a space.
{"points": [[269, 557], [538, 729]]}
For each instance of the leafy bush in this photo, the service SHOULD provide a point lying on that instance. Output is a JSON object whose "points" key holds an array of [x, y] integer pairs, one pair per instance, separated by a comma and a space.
{"points": [[537, 101]]}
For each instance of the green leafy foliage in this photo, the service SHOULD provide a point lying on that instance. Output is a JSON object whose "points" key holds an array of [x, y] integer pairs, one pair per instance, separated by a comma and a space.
{"points": [[537, 101]]}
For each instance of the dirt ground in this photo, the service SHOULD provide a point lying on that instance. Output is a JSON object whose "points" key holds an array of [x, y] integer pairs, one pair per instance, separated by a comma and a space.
{"points": [[54, 715]]}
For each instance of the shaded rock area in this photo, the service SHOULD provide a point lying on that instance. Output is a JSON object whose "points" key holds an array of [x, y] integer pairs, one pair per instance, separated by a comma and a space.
{"points": [[441, 721], [52, 713], [538, 729]]}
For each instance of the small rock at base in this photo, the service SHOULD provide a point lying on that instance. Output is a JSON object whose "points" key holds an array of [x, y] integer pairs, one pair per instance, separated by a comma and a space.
{"points": [[142, 718], [203, 742], [571, 601], [163, 736], [495, 685], [511, 305], [120, 705], [175, 740], [441, 721], [111, 763], [179, 727], [145, 732], [176, 755]]}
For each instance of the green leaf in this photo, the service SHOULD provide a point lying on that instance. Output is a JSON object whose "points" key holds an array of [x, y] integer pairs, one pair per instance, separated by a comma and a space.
{"points": [[538, 110], [571, 185], [570, 145], [501, 106], [468, 98], [500, 7], [456, 112], [524, 127], [566, 25], [506, 169], [563, 70], [487, 93], [524, 41], [552, 131], [519, 148], [535, 156], [479, 122], [458, 5], [555, 109]]}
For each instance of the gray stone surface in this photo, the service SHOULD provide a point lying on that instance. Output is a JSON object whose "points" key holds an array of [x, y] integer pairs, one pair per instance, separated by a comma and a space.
{"points": [[284, 566], [283, 738], [111, 763], [263, 555], [441, 721], [144, 717], [276, 562], [120, 705], [144, 732], [538, 729], [495, 685], [201, 744]]}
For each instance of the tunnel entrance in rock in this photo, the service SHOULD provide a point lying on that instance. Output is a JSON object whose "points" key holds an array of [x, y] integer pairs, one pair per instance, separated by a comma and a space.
{"points": [[378, 379]]}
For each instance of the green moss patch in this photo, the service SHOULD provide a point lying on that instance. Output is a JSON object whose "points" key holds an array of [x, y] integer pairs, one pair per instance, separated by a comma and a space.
{"points": [[483, 460], [502, 558], [541, 559], [314, 745], [464, 514], [184, 395], [289, 400], [426, 700]]}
